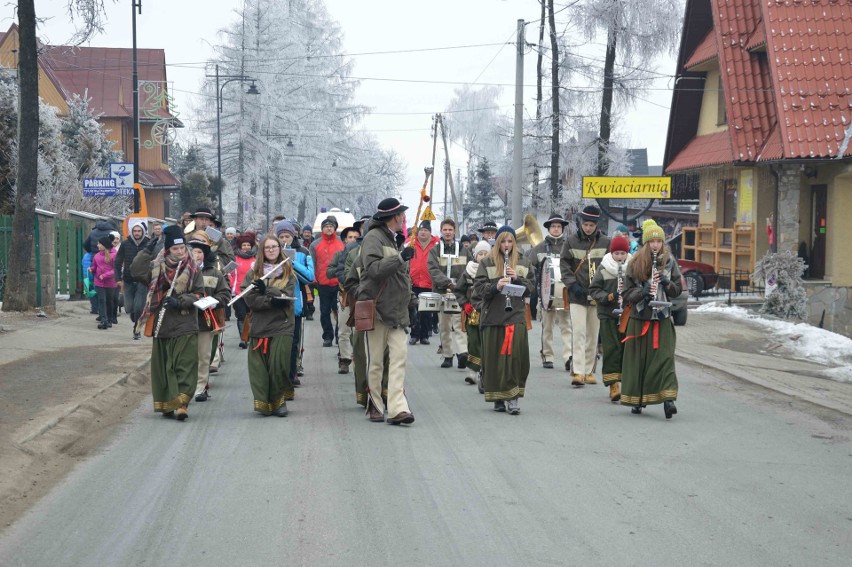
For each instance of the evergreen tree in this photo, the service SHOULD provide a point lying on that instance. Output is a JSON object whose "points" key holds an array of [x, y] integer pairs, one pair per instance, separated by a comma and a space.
{"points": [[195, 181], [481, 203]]}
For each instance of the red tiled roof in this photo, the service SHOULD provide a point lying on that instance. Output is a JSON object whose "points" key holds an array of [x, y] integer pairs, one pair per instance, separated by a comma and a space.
{"points": [[705, 51], [810, 48], [772, 149], [158, 179], [102, 72], [703, 151], [757, 39]]}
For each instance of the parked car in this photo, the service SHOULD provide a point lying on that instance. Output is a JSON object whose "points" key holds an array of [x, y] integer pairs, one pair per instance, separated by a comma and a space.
{"points": [[679, 305], [698, 276]]}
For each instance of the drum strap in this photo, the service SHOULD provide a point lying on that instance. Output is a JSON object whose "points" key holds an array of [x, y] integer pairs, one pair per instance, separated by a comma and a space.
{"points": [[589, 251]]}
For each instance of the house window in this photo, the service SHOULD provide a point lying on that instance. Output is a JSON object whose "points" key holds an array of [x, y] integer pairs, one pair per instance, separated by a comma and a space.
{"points": [[722, 116], [164, 154]]}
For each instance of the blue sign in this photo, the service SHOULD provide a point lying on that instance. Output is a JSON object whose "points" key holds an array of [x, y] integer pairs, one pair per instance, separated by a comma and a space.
{"points": [[104, 187], [123, 173]]}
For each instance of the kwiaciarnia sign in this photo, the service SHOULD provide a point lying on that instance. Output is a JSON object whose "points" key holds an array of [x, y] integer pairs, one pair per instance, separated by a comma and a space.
{"points": [[627, 187]]}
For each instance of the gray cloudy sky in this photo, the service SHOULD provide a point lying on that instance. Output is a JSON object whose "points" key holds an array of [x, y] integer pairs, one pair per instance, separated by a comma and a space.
{"points": [[186, 28]]}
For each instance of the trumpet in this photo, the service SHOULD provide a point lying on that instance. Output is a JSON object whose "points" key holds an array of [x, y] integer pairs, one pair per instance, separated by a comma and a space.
{"points": [[655, 302], [620, 309], [505, 274]]}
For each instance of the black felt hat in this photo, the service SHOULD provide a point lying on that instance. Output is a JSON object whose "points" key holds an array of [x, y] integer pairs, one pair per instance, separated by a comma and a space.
{"points": [[488, 225], [554, 218], [388, 208]]}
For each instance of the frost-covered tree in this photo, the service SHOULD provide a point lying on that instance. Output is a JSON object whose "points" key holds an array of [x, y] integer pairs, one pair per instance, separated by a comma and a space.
{"points": [[8, 143], [789, 300], [481, 201], [85, 140]]}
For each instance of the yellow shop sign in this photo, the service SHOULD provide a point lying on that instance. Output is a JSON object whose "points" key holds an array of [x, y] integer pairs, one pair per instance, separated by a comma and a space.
{"points": [[627, 187]]}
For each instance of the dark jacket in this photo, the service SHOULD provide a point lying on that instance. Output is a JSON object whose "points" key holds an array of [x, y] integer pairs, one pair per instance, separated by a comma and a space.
{"points": [[102, 228], [638, 293], [493, 302], [176, 322], [224, 252], [124, 257], [266, 320], [604, 288], [438, 266], [574, 259], [214, 286], [384, 268]]}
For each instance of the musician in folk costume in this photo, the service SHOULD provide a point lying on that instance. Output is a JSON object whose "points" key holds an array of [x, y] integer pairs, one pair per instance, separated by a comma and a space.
{"points": [[271, 288], [505, 348], [169, 316], [203, 218], [648, 371], [557, 313], [581, 255], [447, 262], [606, 290], [472, 313], [208, 329], [385, 280], [303, 267]]}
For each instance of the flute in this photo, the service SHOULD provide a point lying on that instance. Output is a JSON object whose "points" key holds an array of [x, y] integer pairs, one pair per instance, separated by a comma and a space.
{"points": [[163, 308], [263, 277]]}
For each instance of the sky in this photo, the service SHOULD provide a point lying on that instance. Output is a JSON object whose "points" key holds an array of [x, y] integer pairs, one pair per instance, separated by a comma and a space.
{"points": [[423, 83]]}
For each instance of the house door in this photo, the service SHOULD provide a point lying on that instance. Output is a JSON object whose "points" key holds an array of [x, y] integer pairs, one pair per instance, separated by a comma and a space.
{"points": [[819, 206]]}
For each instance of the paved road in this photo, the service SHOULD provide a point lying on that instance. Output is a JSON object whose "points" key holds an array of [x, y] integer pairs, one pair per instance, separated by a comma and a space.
{"points": [[740, 476]]}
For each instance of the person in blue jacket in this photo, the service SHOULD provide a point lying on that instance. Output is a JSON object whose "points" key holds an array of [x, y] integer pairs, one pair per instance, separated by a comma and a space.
{"points": [[303, 266]]}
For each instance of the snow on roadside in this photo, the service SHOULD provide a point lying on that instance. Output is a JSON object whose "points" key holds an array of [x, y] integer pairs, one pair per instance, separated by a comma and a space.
{"points": [[802, 341]]}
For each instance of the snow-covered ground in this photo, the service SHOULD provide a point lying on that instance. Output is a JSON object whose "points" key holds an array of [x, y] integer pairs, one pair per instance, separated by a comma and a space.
{"points": [[799, 340]]}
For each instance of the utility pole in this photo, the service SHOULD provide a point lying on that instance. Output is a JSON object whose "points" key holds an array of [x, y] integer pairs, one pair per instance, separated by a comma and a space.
{"points": [[518, 151], [137, 5]]}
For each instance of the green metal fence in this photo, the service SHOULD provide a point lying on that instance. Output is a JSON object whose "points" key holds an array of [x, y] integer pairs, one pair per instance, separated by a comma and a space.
{"points": [[5, 237], [68, 252]]}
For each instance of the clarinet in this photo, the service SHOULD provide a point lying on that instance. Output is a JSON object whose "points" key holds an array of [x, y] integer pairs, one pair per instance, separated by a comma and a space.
{"points": [[655, 303], [505, 274], [620, 309]]}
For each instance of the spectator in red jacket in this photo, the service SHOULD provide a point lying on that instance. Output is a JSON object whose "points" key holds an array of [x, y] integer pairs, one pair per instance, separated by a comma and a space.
{"points": [[421, 323], [323, 250]]}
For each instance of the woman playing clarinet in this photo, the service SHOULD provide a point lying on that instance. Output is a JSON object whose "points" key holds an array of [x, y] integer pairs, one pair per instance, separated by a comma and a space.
{"points": [[505, 348], [648, 371]]}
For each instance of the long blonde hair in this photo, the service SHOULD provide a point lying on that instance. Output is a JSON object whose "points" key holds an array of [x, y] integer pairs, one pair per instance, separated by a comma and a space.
{"points": [[496, 253], [287, 269]]}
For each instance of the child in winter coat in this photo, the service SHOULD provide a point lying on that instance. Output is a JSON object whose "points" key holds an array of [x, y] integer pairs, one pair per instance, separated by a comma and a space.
{"points": [[472, 313], [606, 290], [103, 273]]}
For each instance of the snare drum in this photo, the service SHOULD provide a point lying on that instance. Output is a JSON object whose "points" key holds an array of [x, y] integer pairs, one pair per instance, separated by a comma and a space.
{"points": [[429, 301], [450, 304], [551, 286]]}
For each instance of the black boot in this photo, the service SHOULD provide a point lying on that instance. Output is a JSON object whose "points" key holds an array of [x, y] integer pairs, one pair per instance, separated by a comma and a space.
{"points": [[637, 410], [448, 363], [669, 408], [463, 360]]}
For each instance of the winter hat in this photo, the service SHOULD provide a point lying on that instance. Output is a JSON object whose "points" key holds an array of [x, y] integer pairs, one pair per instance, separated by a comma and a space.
{"points": [[173, 235], [481, 246], [116, 236], [648, 223], [388, 208], [621, 229], [329, 220], [474, 237], [246, 237], [106, 241], [199, 239], [590, 213], [619, 244], [652, 232], [426, 224], [464, 238], [505, 228], [488, 225], [136, 221], [286, 226], [231, 230]]}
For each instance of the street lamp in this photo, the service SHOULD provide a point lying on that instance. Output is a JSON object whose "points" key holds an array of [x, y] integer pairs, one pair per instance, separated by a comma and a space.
{"points": [[252, 90]]}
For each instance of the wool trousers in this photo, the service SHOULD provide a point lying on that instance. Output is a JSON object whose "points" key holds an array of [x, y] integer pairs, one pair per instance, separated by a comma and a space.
{"points": [[394, 339], [585, 326]]}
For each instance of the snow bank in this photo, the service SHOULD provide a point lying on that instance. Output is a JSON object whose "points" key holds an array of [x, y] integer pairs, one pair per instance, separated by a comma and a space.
{"points": [[802, 341]]}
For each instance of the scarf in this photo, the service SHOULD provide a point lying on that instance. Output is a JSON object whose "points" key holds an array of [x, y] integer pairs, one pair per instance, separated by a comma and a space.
{"points": [[268, 268], [164, 270], [610, 265], [472, 267]]}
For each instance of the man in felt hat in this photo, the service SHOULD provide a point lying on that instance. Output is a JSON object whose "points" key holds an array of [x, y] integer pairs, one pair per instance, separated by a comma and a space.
{"points": [[203, 218], [447, 263], [557, 312], [385, 279], [581, 255], [323, 250], [488, 230]]}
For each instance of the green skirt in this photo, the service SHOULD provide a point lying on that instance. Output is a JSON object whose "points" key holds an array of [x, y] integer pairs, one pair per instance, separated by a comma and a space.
{"points": [[174, 372], [648, 371], [359, 368], [269, 372], [474, 348], [613, 351], [505, 361]]}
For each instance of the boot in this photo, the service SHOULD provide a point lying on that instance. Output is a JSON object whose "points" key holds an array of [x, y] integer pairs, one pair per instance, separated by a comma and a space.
{"points": [[343, 366], [669, 408], [513, 407], [500, 406], [636, 410], [577, 380], [463, 360], [615, 391], [281, 411], [448, 363], [590, 379]]}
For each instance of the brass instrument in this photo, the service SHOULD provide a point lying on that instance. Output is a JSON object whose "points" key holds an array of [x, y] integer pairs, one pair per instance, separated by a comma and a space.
{"points": [[620, 309], [530, 232], [656, 303], [505, 274]]}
